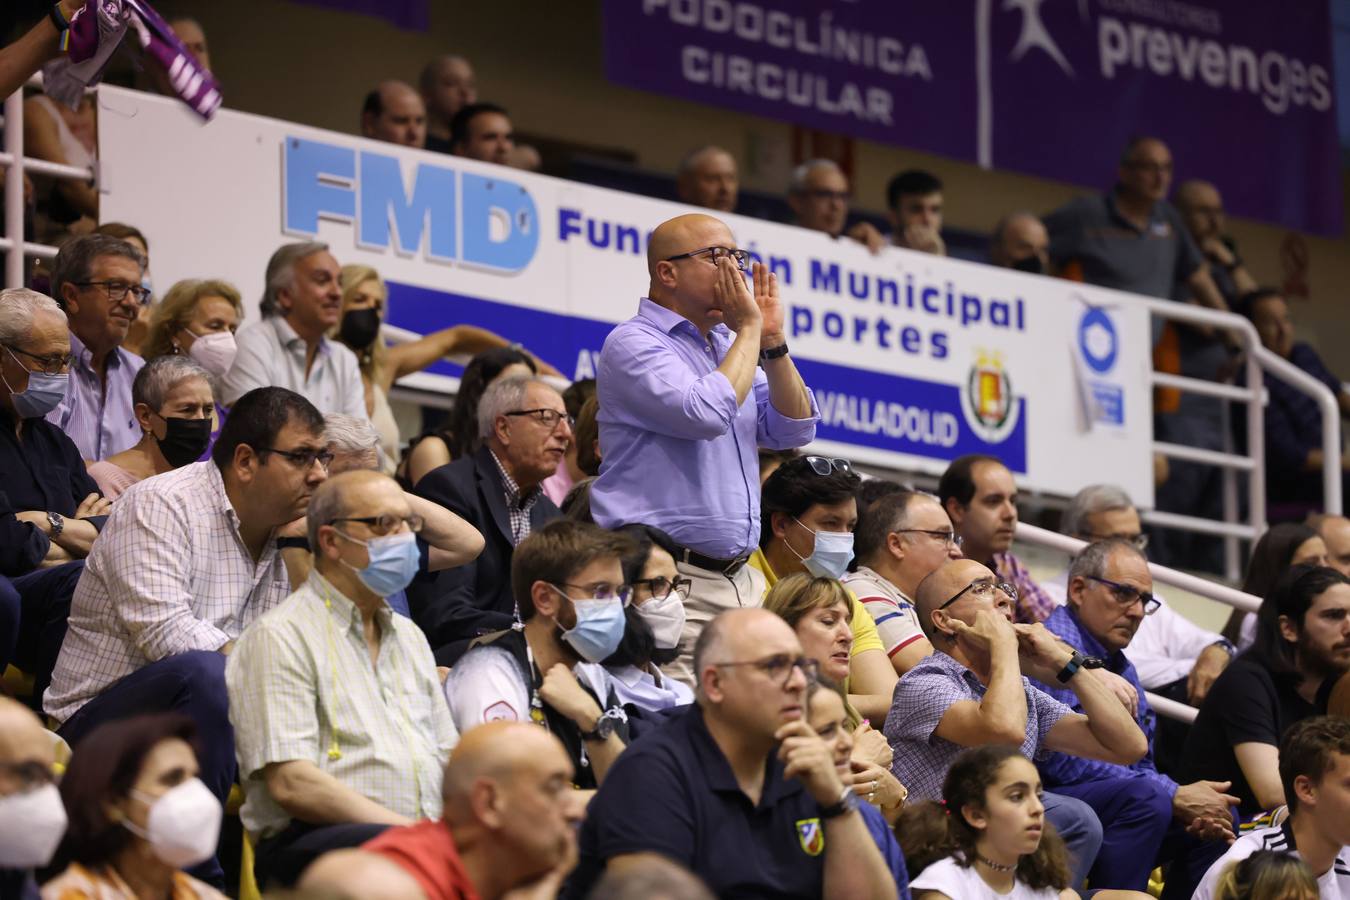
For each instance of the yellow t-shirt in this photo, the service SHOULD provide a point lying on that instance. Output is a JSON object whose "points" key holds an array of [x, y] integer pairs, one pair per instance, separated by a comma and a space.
{"points": [[865, 635]]}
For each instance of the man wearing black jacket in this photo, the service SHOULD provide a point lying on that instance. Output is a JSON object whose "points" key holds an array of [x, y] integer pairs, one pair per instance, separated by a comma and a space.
{"points": [[525, 430]]}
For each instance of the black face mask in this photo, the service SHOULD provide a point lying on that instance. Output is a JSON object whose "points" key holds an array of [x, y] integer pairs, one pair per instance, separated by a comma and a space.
{"points": [[184, 440], [1030, 264], [359, 327]]}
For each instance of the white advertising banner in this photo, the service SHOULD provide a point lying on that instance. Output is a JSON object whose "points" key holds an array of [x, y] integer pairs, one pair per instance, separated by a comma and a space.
{"points": [[914, 359]]}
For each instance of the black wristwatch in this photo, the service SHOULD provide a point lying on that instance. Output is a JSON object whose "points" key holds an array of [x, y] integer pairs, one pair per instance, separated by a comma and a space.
{"points": [[292, 543], [848, 802], [58, 18], [604, 727], [57, 522], [774, 352]]}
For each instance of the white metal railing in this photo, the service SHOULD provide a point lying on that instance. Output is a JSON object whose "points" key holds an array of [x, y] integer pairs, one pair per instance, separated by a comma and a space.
{"points": [[16, 165], [1212, 590]]}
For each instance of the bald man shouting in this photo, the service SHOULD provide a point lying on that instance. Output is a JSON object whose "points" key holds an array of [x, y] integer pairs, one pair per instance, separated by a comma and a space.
{"points": [[509, 822], [689, 388]]}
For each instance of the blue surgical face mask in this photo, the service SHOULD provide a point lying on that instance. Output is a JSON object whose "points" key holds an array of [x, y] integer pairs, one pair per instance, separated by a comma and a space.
{"points": [[831, 554], [394, 561], [44, 393], [599, 628]]}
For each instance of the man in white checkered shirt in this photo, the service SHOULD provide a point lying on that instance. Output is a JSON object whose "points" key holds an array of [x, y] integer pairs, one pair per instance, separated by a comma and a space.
{"points": [[187, 560], [340, 724]]}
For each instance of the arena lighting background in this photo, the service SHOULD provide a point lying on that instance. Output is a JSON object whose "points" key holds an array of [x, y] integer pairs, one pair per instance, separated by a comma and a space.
{"points": [[914, 359]]}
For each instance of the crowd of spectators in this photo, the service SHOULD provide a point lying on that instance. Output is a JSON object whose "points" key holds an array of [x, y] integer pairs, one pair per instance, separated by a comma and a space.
{"points": [[623, 639]]}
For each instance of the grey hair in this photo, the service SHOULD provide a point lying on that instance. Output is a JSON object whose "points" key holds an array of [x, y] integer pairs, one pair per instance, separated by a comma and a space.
{"points": [[1093, 499], [692, 158], [797, 183], [1092, 561], [996, 237], [501, 397], [75, 262], [350, 434], [325, 505], [281, 273], [161, 375], [18, 308]]}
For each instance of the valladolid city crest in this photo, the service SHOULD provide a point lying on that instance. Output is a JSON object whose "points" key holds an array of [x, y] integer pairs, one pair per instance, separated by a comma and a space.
{"points": [[990, 409]]}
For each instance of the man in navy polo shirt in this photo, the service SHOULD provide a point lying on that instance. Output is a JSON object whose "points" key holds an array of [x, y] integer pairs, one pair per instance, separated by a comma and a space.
{"points": [[743, 765]]}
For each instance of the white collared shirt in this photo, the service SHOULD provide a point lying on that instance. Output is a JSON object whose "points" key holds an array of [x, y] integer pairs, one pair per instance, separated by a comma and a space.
{"points": [[169, 573], [271, 354], [647, 691]]}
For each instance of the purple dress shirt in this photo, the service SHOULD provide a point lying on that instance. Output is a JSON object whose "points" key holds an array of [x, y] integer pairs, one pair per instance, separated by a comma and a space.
{"points": [[679, 454], [100, 422]]}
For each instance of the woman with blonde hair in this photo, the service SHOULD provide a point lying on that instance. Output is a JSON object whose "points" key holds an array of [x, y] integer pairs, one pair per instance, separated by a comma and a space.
{"points": [[365, 299], [197, 318], [1267, 875]]}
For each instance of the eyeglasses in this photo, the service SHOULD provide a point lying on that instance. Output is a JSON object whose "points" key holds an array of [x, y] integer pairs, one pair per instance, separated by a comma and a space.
{"points": [[1127, 596], [303, 458], [599, 591], [117, 290], [386, 523], [1140, 541], [661, 586], [824, 465], [741, 257], [47, 365], [549, 418], [30, 775], [948, 538], [779, 667], [983, 589]]}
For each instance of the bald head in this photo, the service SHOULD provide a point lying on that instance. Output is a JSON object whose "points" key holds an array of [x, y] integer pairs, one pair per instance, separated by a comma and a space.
{"points": [[394, 112], [497, 751], [1019, 239], [681, 234], [739, 634], [22, 740], [938, 587], [448, 85], [708, 178], [1201, 208]]}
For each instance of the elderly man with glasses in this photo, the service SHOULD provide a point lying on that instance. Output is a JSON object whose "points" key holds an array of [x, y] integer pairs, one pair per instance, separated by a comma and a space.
{"points": [[187, 561], [1147, 818], [97, 280], [696, 382], [340, 726], [741, 764], [567, 580], [526, 430], [974, 690]]}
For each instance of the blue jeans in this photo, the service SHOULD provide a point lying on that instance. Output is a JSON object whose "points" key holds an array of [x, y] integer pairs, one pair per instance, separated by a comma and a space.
{"points": [[1136, 815], [191, 683], [33, 612], [1080, 829]]}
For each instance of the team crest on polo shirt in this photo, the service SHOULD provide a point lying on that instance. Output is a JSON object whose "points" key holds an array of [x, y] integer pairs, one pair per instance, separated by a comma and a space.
{"points": [[811, 835]]}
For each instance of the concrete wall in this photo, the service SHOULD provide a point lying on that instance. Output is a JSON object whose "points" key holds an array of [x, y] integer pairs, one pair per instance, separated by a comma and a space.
{"points": [[544, 62]]}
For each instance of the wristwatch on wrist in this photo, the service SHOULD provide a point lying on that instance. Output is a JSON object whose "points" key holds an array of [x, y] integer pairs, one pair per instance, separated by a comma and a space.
{"points": [[1071, 668], [847, 803], [58, 523], [58, 17], [774, 352], [604, 727], [1226, 645]]}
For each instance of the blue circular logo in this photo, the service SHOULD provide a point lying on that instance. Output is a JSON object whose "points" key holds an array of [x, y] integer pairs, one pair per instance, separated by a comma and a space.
{"points": [[1097, 340]]}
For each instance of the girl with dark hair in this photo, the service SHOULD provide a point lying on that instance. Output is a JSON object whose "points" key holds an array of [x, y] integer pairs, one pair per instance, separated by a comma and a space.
{"points": [[138, 814], [459, 436], [825, 715], [988, 838], [1284, 545], [655, 623]]}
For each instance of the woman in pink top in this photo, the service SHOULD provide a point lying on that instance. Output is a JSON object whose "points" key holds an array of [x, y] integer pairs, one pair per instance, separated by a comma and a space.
{"points": [[176, 409]]}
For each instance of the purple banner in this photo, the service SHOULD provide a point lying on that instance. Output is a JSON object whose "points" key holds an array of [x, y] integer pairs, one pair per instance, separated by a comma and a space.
{"points": [[413, 15], [1241, 92]]}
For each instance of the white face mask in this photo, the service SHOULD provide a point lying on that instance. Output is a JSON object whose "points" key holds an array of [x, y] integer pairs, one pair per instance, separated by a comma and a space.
{"points": [[31, 826], [665, 617], [214, 351], [184, 824]]}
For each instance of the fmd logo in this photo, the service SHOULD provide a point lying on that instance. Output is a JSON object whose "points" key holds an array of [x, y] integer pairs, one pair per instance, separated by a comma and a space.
{"points": [[448, 216]]}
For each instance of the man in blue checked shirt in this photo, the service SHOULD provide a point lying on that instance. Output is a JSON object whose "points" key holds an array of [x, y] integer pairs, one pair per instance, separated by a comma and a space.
{"points": [[1147, 818]]}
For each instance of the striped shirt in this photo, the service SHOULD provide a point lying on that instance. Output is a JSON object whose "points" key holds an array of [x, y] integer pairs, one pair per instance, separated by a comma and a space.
{"points": [[302, 687], [1333, 884], [896, 620], [169, 573]]}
